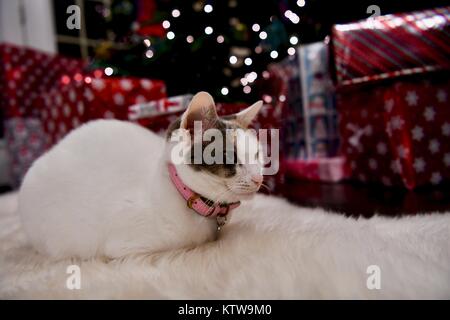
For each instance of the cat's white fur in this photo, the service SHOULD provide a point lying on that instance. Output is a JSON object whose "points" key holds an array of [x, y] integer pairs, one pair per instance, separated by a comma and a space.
{"points": [[270, 250], [104, 190]]}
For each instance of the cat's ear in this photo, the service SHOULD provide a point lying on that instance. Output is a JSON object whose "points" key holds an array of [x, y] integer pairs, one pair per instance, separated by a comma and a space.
{"points": [[201, 108], [246, 116]]}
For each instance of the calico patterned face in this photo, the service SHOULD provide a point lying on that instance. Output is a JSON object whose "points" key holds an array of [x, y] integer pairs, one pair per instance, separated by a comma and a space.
{"points": [[234, 166]]}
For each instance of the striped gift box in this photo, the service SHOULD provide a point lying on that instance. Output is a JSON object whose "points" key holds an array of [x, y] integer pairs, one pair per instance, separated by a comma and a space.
{"points": [[392, 45]]}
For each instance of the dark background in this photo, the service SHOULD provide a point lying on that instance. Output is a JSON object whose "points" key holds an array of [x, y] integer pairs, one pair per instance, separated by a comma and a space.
{"points": [[204, 65]]}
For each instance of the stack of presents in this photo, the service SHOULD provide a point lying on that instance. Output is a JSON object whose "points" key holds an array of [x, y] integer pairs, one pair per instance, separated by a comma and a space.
{"points": [[43, 97], [370, 103]]}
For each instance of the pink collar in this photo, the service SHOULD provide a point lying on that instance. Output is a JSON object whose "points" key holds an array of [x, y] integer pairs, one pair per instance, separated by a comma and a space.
{"points": [[196, 202]]}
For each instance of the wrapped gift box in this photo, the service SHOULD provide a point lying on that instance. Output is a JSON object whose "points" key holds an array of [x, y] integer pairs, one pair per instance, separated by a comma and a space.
{"points": [[393, 82], [75, 100], [310, 136], [400, 137], [45, 96], [392, 45], [157, 115], [25, 75], [25, 141], [311, 118]]}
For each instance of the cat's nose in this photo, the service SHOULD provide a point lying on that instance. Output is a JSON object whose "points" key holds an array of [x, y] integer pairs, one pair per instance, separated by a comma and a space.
{"points": [[257, 178]]}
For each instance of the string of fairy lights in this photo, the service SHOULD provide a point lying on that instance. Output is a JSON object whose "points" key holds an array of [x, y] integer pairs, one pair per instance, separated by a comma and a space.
{"points": [[234, 60]]}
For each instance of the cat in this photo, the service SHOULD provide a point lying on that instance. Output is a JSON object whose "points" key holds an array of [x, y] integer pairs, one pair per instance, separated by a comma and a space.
{"points": [[106, 189]]}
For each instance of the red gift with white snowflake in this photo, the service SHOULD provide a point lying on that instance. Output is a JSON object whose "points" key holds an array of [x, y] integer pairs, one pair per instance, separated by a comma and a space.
{"points": [[76, 100], [25, 74], [44, 96], [393, 87]]}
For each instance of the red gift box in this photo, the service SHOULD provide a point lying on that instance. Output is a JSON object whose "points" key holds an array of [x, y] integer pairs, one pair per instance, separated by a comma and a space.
{"points": [[45, 96], [25, 74], [417, 117], [394, 112], [401, 136], [76, 100], [392, 45]]}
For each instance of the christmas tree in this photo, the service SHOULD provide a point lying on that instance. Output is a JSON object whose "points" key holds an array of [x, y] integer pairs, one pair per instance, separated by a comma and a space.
{"points": [[222, 47]]}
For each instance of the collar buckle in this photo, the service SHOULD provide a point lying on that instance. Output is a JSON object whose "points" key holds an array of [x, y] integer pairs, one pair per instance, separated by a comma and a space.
{"points": [[191, 200]]}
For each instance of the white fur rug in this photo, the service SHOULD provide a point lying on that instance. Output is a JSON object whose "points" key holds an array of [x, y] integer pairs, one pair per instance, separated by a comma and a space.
{"points": [[282, 252]]}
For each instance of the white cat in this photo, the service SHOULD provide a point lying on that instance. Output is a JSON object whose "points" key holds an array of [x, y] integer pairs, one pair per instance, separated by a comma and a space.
{"points": [[105, 190]]}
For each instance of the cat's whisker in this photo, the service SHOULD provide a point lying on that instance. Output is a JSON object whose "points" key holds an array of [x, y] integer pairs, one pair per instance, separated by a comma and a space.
{"points": [[221, 196], [266, 187]]}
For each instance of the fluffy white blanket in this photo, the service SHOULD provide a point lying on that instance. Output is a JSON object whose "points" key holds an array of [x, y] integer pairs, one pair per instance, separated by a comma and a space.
{"points": [[276, 251]]}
